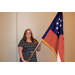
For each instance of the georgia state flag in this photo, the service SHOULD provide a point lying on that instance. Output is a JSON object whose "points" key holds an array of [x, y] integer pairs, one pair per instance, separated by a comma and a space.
{"points": [[53, 37]]}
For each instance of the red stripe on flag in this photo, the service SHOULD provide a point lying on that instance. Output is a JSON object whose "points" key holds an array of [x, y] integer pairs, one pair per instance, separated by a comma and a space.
{"points": [[61, 48], [52, 39]]}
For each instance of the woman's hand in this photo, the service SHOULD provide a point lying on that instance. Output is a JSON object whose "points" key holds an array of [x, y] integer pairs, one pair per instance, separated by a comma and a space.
{"points": [[40, 43], [25, 61]]}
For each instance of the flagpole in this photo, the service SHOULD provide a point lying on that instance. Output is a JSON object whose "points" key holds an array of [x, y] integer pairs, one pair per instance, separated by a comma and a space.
{"points": [[33, 51]]}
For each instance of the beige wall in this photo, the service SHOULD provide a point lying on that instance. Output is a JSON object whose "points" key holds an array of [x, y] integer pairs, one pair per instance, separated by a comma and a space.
{"points": [[7, 36], [13, 25], [69, 36]]}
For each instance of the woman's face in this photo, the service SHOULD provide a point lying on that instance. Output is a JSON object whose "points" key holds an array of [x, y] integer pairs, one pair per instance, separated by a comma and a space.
{"points": [[28, 34]]}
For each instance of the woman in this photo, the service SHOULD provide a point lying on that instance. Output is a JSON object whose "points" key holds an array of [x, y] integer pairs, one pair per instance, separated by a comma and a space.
{"points": [[26, 47]]}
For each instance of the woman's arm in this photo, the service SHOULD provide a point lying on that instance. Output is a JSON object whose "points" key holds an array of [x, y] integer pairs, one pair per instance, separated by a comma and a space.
{"points": [[20, 53], [39, 47]]}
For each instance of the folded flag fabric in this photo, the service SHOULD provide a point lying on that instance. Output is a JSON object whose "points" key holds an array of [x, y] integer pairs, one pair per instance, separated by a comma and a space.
{"points": [[53, 37]]}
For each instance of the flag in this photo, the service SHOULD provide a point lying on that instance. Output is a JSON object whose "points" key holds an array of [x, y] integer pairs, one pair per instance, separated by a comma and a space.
{"points": [[53, 37]]}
